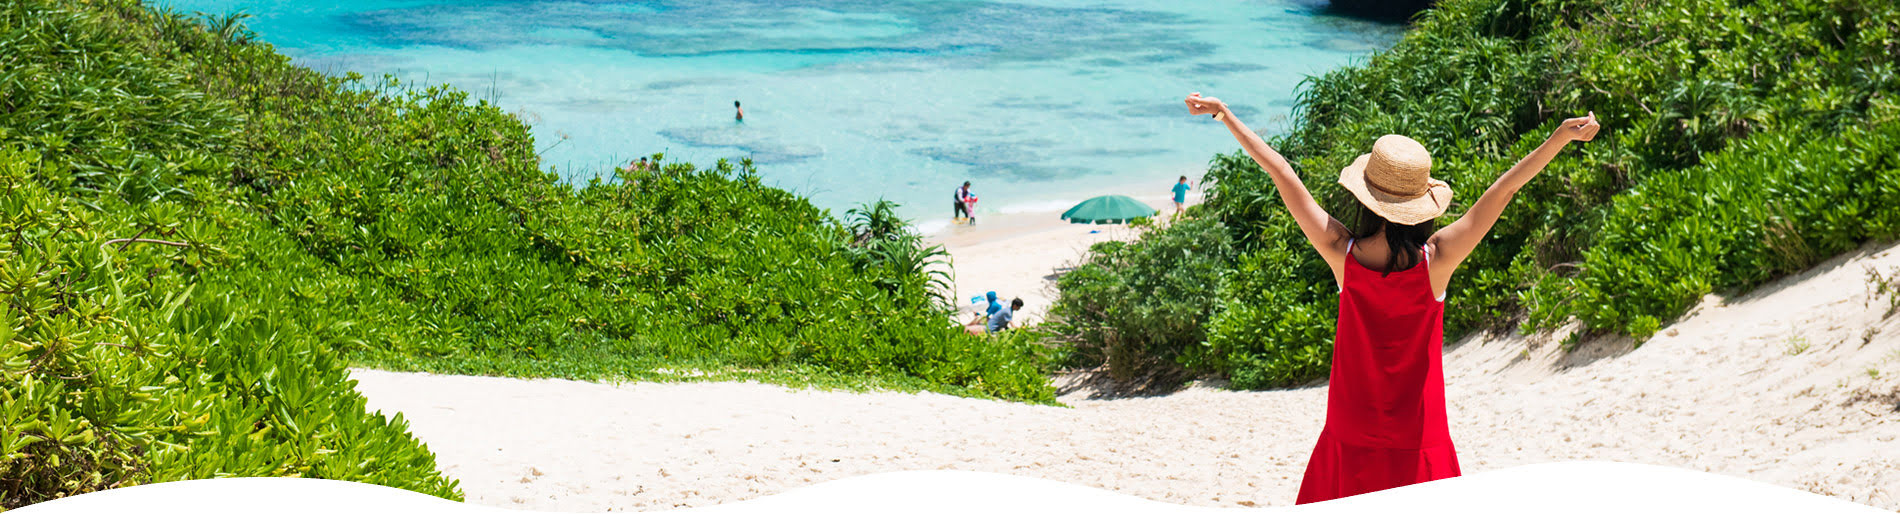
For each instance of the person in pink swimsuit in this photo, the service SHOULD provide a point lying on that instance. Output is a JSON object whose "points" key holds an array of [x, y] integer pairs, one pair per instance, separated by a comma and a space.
{"points": [[1385, 402]]}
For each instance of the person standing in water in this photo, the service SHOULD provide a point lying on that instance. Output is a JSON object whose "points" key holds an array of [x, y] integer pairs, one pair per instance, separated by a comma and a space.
{"points": [[962, 208], [1385, 401], [1180, 195], [738, 112]]}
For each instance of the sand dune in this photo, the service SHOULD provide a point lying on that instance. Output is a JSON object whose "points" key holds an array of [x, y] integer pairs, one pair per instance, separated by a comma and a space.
{"points": [[1793, 385]]}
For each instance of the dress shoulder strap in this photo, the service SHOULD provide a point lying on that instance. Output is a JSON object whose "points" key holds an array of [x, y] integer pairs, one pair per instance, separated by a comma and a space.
{"points": [[1342, 282]]}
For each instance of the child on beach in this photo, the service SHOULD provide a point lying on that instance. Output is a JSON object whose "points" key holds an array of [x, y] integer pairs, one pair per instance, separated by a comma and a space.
{"points": [[1180, 195], [1385, 402], [739, 112]]}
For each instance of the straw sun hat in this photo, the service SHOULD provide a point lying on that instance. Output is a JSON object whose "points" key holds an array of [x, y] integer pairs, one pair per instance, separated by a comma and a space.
{"points": [[1395, 181]]}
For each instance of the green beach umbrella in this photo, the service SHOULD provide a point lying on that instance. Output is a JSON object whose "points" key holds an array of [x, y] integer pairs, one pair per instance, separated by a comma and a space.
{"points": [[1108, 209]]}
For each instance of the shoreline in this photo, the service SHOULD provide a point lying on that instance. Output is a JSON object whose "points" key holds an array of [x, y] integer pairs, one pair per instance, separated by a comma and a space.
{"points": [[1020, 254], [935, 220]]}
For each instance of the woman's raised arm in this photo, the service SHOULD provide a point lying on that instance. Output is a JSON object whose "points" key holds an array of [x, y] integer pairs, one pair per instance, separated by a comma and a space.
{"points": [[1327, 235], [1453, 243]]}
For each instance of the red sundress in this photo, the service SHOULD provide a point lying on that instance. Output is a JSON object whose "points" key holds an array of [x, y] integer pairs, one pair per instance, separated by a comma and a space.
{"points": [[1385, 406]]}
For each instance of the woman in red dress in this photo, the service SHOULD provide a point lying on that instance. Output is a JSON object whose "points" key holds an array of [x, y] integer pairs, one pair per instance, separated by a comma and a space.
{"points": [[1385, 404]]}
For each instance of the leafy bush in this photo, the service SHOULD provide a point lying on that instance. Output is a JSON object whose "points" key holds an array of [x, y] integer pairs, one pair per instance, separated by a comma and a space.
{"points": [[1769, 205], [198, 237], [1480, 83], [1267, 329], [1135, 306], [122, 363], [132, 349]]}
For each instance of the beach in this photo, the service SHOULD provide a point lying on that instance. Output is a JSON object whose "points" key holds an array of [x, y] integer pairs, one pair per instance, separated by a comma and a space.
{"points": [[1020, 254], [1793, 385], [397, 248]]}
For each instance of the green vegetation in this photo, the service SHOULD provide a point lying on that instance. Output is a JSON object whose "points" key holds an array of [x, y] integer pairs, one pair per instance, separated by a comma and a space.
{"points": [[1742, 141], [197, 238], [1767, 206], [129, 363], [1109, 303], [1882, 285]]}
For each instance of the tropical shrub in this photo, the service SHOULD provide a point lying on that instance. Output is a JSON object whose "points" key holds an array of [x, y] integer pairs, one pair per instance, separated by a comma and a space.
{"points": [[1769, 205], [127, 360], [134, 347], [1134, 306]]}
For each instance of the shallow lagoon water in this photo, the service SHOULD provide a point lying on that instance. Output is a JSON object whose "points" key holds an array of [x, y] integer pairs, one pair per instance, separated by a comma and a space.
{"points": [[1039, 103]]}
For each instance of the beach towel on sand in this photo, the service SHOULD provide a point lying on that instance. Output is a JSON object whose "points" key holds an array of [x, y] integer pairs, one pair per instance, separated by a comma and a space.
{"points": [[1385, 406]]}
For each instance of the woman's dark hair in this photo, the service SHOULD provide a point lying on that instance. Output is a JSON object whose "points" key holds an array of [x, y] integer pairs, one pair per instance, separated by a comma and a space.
{"points": [[735, 103], [966, 183], [1016, 304], [1184, 178], [1406, 241]]}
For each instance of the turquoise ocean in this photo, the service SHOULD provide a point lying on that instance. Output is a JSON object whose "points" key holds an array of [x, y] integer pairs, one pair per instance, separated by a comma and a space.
{"points": [[1038, 103]]}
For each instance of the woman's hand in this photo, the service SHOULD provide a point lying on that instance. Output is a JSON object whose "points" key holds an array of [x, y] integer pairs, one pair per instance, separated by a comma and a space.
{"points": [[1456, 241], [1327, 235], [1577, 129], [1198, 105]]}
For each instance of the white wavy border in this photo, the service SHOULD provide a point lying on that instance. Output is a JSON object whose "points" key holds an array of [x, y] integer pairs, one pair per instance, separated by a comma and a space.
{"points": [[1582, 487]]}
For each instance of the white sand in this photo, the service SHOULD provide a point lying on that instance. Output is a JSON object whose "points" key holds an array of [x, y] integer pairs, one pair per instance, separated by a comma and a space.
{"points": [[1551, 487], [1724, 390]]}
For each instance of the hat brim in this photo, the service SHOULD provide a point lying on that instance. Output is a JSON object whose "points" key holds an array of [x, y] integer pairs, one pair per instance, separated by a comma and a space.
{"points": [[1397, 209]]}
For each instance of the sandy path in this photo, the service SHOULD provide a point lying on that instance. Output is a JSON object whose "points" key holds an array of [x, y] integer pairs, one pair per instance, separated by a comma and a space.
{"points": [[649, 446], [1787, 386]]}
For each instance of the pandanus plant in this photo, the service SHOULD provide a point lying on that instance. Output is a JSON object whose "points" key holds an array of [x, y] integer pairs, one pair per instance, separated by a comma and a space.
{"points": [[880, 240]]}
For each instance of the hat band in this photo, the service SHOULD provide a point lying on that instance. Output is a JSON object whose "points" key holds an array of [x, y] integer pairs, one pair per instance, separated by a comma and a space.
{"points": [[1382, 189]]}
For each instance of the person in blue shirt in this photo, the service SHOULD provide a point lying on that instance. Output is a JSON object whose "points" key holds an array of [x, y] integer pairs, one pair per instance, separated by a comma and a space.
{"points": [[1180, 195], [1000, 321]]}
